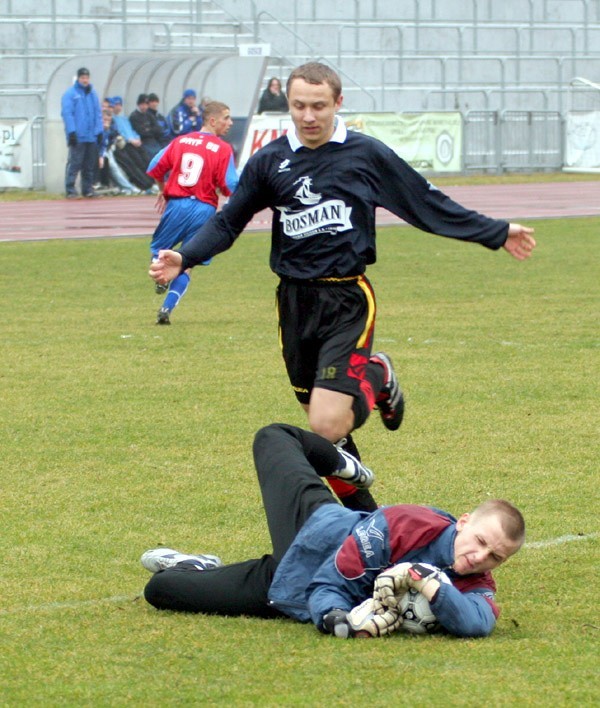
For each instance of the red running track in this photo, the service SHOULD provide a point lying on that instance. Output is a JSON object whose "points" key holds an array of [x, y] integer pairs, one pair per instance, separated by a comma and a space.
{"points": [[111, 217]]}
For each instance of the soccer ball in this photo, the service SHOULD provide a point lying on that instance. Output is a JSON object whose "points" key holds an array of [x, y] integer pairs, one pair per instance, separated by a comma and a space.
{"points": [[417, 615]]}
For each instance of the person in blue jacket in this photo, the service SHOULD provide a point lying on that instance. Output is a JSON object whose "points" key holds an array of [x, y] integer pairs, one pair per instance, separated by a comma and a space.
{"points": [[82, 118], [185, 117], [327, 560]]}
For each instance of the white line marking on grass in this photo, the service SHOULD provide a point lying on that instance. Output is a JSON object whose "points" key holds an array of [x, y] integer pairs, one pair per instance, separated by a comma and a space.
{"points": [[73, 605], [560, 540], [78, 604]]}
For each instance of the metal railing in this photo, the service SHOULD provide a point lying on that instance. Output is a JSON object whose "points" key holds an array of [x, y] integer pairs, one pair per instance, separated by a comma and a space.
{"points": [[509, 141], [38, 153], [38, 94]]}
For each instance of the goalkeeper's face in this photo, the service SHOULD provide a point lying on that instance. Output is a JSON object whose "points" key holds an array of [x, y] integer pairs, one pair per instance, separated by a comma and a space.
{"points": [[481, 544]]}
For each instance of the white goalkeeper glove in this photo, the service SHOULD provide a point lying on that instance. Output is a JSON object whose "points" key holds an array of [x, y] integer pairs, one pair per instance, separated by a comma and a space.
{"points": [[419, 574], [390, 586], [361, 621]]}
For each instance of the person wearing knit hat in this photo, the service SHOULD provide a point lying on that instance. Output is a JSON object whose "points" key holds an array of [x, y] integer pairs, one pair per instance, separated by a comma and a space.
{"points": [[82, 118], [132, 157], [186, 117], [166, 136]]}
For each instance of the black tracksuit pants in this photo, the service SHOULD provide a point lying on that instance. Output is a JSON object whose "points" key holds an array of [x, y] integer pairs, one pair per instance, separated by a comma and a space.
{"points": [[289, 463]]}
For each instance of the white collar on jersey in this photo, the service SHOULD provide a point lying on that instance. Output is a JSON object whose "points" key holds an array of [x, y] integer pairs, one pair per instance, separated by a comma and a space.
{"points": [[339, 135]]}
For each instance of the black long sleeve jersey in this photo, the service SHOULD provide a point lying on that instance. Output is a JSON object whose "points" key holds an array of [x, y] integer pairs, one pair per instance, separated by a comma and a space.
{"points": [[324, 202]]}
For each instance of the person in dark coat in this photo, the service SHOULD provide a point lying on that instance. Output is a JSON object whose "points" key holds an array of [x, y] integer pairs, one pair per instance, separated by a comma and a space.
{"points": [[273, 99], [165, 135], [145, 125]]}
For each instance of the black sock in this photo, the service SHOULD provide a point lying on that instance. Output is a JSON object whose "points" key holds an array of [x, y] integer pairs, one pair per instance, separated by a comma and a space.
{"points": [[375, 375], [361, 500]]}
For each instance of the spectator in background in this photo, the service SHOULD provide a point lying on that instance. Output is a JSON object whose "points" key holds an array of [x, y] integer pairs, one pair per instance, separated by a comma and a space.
{"points": [[145, 125], [80, 110], [273, 99], [186, 117], [110, 170], [129, 152], [123, 124], [165, 135]]}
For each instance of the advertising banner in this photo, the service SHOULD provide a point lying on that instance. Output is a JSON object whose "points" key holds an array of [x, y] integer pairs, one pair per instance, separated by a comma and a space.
{"points": [[429, 142], [262, 130], [15, 153], [582, 149]]}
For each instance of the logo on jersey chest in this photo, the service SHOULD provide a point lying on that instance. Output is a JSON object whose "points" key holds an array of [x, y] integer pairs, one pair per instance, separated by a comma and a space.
{"points": [[330, 216], [321, 217]]}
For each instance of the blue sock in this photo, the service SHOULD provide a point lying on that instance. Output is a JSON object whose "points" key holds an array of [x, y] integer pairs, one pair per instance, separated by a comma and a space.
{"points": [[176, 291]]}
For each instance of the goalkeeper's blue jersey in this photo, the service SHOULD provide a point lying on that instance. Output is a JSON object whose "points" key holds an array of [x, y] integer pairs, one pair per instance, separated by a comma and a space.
{"points": [[324, 202], [334, 560]]}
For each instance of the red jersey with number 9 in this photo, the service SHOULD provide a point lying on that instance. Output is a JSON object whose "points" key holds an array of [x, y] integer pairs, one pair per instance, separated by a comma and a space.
{"points": [[199, 164]]}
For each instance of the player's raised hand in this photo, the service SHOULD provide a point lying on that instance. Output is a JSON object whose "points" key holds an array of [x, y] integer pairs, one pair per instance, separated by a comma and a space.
{"points": [[520, 242], [166, 267]]}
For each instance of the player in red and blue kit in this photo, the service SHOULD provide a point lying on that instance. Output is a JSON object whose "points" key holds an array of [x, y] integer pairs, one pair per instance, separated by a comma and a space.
{"points": [[198, 164], [324, 185], [328, 559]]}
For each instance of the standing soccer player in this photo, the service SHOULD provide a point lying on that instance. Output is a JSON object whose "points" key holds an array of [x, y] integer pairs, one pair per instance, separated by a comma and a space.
{"points": [[199, 163], [324, 185]]}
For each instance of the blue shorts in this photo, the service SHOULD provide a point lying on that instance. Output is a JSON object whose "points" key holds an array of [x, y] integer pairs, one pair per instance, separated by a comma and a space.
{"points": [[180, 221]]}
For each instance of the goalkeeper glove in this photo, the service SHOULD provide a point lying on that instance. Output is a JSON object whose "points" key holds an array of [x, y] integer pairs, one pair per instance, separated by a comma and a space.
{"points": [[419, 574], [390, 586], [361, 621]]}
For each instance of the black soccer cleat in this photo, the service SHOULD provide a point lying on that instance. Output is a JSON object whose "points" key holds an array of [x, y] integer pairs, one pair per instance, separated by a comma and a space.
{"points": [[390, 401], [163, 317]]}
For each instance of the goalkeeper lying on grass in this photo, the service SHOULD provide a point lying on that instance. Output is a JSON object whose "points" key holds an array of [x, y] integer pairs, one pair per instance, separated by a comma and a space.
{"points": [[344, 570]]}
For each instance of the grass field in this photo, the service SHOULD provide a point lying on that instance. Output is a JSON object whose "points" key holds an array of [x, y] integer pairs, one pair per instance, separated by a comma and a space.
{"points": [[117, 436]]}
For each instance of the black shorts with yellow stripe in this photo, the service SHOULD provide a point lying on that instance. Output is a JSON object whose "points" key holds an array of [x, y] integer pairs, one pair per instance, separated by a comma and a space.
{"points": [[326, 332]]}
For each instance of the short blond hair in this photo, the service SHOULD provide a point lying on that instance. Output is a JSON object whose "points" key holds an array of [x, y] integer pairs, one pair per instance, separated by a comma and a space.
{"points": [[316, 73], [213, 109], [511, 519]]}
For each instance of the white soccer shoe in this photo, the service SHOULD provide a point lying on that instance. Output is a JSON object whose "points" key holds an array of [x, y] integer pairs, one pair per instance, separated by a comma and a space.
{"points": [[162, 558], [354, 472]]}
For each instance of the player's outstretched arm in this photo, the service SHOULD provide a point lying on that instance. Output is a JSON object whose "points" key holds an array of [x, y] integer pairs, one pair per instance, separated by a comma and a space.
{"points": [[519, 242], [166, 268]]}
